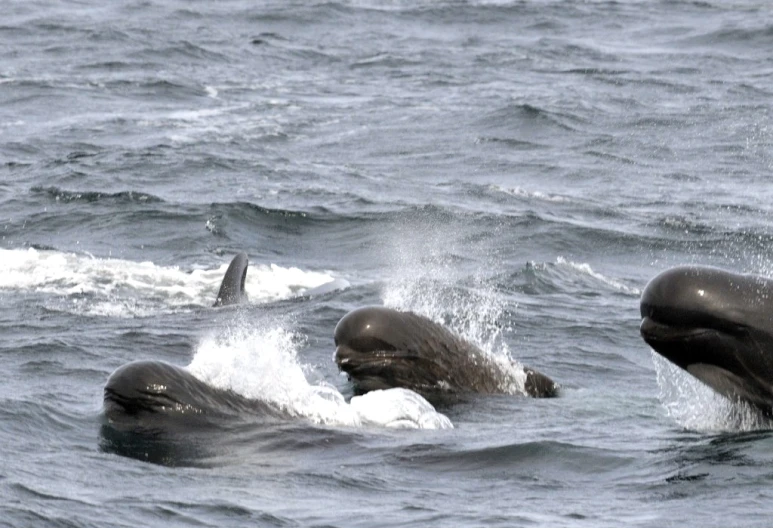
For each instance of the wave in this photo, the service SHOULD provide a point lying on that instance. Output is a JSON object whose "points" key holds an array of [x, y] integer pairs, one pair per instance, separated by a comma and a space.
{"points": [[566, 275], [563, 218], [541, 455], [117, 198], [111, 287], [533, 195], [585, 270], [250, 211], [533, 119], [731, 38]]}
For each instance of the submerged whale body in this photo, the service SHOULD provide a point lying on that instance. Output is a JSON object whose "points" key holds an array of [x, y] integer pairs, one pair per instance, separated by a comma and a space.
{"points": [[716, 325], [381, 348]]}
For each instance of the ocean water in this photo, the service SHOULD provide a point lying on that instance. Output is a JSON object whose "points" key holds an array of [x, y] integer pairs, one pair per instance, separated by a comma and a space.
{"points": [[517, 170]]}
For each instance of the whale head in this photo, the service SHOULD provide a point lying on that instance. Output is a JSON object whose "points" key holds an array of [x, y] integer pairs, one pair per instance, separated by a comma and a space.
{"points": [[151, 387], [716, 325], [381, 348]]}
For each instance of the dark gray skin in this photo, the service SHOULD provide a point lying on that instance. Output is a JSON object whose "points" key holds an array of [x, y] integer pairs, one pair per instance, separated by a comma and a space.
{"points": [[716, 325], [381, 348], [232, 287], [155, 395]]}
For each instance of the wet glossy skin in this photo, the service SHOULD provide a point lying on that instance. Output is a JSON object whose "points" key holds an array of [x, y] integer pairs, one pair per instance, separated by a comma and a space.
{"points": [[232, 287], [381, 348], [155, 394], [716, 325]]}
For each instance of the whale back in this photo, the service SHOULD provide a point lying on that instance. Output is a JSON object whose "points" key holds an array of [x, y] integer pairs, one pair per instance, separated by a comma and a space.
{"points": [[232, 287]]}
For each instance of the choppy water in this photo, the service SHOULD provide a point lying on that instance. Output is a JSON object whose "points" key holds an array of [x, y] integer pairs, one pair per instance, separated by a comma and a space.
{"points": [[517, 170]]}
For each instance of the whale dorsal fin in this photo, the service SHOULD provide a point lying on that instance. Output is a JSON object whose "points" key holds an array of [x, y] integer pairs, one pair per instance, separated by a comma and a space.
{"points": [[232, 287]]}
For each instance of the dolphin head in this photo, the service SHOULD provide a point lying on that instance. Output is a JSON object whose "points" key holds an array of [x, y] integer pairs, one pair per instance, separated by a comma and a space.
{"points": [[716, 325]]}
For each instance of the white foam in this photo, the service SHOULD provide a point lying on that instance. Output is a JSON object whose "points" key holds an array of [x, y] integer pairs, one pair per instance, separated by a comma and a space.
{"points": [[399, 408], [695, 406], [199, 114], [536, 195], [585, 269], [12, 124], [263, 365], [124, 288]]}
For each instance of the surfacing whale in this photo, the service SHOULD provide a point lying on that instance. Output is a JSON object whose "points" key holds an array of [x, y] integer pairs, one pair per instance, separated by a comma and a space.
{"points": [[148, 395], [716, 325], [381, 348], [232, 287]]}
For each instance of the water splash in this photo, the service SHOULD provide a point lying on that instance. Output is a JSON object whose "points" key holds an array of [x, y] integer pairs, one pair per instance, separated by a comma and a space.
{"points": [[398, 408], [421, 254], [262, 364], [695, 406]]}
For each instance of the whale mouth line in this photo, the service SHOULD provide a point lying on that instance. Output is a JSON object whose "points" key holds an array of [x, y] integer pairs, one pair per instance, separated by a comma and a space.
{"points": [[383, 369], [359, 364], [664, 319], [654, 331], [347, 355]]}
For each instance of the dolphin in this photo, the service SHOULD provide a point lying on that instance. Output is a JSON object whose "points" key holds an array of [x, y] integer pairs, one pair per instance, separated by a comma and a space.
{"points": [[381, 348], [716, 325]]}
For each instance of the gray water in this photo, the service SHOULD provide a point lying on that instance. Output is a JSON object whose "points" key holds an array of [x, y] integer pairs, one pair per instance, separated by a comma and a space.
{"points": [[515, 170]]}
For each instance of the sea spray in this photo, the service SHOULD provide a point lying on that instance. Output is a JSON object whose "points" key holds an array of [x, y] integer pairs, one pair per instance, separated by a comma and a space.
{"points": [[424, 282], [262, 364], [697, 407]]}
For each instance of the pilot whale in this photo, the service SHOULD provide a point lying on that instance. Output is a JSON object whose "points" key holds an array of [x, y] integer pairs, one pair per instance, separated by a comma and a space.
{"points": [[232, 289], [716, 325], [155, 394], [152, 395], [381, 348]]}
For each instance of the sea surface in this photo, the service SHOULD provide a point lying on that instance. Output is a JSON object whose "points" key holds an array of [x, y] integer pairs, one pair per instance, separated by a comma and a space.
{"points": [[516, 170]]}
